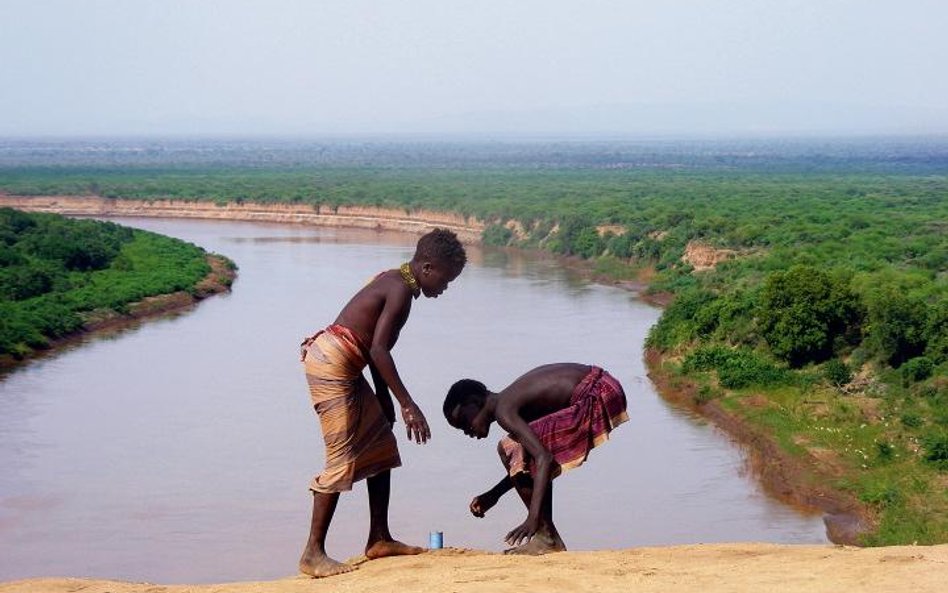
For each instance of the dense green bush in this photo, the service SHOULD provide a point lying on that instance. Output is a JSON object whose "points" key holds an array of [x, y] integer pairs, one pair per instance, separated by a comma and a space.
{"points": [[497, 235], [23, 281], [898, 323], [837, 373], [803, 311], [736, 367], [66, 268], [936, 449], [916, 369], [676, 325], [936, 334]]}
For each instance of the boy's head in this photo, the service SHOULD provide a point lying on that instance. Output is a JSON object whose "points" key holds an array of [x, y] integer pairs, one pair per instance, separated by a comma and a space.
{"points": [[439, 257], [464, 407]]}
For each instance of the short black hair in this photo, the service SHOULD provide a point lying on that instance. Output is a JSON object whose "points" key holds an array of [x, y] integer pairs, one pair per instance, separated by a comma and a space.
{"points": [[462, 392], [442, 245]]}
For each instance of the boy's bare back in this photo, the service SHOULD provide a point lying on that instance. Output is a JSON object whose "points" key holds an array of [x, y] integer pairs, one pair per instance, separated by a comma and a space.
{"points": [[541, 391]]}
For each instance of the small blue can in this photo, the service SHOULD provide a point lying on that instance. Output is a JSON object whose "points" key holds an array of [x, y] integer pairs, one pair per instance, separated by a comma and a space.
{"points": [[435, 540]]}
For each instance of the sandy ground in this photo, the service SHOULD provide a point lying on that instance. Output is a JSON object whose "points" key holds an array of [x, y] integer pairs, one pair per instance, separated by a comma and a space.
{"points": [[695, 568]]}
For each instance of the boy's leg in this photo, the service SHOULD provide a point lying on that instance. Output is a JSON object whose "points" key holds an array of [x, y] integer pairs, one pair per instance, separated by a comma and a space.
{"points": [[547, 538], [314, 561], [381, 543]]}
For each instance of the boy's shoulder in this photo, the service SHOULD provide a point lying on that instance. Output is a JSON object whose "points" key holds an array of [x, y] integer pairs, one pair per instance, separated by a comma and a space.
{"points": [[386, 284]]}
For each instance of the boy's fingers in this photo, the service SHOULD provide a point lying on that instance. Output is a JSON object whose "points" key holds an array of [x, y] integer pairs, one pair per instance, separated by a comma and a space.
{"points": [[415, 433]]}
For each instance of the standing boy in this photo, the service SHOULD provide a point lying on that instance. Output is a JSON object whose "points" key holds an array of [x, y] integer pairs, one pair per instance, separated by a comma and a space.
{"points": [[554, 414], [357, 422]]}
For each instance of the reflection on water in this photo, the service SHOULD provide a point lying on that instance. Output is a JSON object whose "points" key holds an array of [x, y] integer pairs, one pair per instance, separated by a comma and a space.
{"points": [[180, 451]]}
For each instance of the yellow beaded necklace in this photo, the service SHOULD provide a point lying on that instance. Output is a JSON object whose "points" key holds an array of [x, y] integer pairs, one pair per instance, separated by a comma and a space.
{"points": [[409, 278]]}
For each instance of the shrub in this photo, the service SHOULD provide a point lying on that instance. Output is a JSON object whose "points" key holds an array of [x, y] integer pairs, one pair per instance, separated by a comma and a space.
{"points": [[881, 495], [678, 323], [705, 394], [897, 324], [936, 449], [911, 420], [736, 368], [884, 451], [803, 311], [916, 369], [937, 332], [622, 245], [497, 235], [837, 373], [22, 282]]}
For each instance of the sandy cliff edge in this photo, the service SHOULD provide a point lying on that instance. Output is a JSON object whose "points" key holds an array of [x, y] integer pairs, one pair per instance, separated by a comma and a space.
{"points": [[714, 568], [364, 217]]}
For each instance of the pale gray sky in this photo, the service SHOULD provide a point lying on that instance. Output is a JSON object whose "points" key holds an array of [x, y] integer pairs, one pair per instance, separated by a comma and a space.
{"points": [[317, 67]]}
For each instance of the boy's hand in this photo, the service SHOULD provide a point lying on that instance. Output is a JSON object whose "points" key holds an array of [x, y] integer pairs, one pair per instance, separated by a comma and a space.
{"points": [[415, 423], [522, 533], [483, 503]]}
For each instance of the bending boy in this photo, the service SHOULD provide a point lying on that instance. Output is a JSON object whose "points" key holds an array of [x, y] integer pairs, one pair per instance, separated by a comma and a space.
{"points": [[554, 414], [357, 422]]}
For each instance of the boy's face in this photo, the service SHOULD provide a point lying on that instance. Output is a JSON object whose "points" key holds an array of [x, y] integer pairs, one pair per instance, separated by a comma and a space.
{"points": [[469, 419], [435, 277]]}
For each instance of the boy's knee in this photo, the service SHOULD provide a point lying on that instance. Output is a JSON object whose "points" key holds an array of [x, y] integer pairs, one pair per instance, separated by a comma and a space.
{"points": [[502, 453]]}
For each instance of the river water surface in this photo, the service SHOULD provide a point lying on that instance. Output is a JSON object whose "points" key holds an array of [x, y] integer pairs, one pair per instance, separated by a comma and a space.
{"points": [[181, 450]]}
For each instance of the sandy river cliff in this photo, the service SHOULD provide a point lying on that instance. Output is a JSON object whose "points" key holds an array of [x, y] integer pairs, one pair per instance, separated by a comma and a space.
{"points": [[389, 219]]}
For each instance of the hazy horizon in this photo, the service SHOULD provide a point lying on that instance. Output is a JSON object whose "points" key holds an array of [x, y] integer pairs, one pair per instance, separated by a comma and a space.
{"points": [[554, 69]]}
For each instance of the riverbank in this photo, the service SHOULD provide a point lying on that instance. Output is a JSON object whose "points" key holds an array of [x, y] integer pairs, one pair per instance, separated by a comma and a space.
{"points": [[713, 568], [800, 481], [217, 281]]}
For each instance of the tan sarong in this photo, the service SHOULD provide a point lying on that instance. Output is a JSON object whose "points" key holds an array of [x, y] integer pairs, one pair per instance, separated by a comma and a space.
{"points": [[358, 437]]}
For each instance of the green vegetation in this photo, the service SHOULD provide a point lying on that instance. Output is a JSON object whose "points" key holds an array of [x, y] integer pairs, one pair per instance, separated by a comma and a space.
{"points": [[824, 320], [55, 272]]}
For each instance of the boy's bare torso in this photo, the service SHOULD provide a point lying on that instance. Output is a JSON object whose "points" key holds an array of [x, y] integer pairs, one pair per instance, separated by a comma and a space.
{"points": [[383, 304]]}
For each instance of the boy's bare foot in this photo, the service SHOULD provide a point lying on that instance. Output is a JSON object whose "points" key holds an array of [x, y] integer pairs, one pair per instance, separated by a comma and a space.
{"points": [[383, 548], [540, 543], [323, 566]]}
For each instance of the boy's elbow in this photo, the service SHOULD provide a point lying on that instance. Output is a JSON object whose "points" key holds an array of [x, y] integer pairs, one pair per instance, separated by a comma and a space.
{"points": [[377, 353]]}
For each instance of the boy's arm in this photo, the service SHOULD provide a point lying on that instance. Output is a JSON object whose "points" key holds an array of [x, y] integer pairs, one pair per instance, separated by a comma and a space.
{"points": [[508, 416], [393, 316], [485, 502], [382, 394]]}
